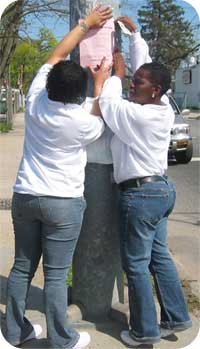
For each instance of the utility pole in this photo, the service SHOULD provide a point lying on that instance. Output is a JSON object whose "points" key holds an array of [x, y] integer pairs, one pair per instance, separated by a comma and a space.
{"points": [[97, 274], [9, 113]]}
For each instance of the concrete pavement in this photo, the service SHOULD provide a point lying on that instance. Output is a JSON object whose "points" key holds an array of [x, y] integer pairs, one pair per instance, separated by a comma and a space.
{"points": [[104, 335], [194, 114]]}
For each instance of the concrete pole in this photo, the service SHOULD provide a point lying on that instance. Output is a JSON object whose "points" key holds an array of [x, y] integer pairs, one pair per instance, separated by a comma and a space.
{"points": [[9, 114], [97, 273]]}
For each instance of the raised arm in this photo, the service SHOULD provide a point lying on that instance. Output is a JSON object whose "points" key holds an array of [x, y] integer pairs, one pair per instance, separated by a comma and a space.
{"points": [[97, 18], [138, 48]]}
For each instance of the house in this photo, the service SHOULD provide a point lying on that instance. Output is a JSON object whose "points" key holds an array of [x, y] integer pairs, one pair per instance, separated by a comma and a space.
{"points": [[187, 84]]}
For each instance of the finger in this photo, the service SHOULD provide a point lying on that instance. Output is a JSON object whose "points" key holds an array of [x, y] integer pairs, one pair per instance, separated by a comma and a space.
{"points": [[97, 7], [104, 9], [103, 22], [91, 69], [106, 17], [97, 68], [116, 50], [102, 61], [106, 13], [110, 66], [120, 18]]}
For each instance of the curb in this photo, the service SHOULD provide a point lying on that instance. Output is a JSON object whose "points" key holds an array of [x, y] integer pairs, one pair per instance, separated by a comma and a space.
{"points": [[194, 284], [194, 117], [5, 204]]}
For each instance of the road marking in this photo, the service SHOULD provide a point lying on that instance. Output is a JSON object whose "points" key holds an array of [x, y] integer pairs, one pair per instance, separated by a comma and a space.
{"points": [[195, 159]]}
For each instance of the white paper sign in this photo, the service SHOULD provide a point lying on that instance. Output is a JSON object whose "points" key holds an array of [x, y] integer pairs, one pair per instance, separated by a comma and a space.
{"points": [[125, 30], [98, 43]]}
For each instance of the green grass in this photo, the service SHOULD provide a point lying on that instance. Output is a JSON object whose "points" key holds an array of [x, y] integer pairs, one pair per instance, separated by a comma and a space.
{"points": [[5, 127], [69, 278], [21, 110], [192, 300]]}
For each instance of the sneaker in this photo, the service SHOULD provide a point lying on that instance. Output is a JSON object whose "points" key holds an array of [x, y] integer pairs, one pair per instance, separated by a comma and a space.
{"points": [[83, 341], [37, 330], [125, 336], [165, 332]]}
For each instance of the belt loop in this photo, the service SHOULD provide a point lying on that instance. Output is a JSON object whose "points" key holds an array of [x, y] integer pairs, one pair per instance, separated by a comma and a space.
{"points": [[165, 178]]}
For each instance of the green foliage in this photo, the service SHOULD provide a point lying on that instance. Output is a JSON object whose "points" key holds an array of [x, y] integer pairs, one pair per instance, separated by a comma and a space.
{"points": [[5, 127], [69, 278], [167, 32], [29, 55], [45, 43], [26, 62], [17, 17], [193, 301]]}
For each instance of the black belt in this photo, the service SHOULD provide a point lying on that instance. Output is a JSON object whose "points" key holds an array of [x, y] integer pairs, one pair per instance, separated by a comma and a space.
{"points": [[137, 182]]}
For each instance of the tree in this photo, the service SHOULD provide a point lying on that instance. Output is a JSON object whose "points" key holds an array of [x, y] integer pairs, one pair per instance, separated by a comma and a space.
{"points": [[9, 28], [15, 17], [168, 34], [29, 55]]}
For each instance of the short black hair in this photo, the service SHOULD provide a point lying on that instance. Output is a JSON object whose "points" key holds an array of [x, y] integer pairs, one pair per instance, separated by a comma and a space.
{"points": [[67, 82], [159, 74]]}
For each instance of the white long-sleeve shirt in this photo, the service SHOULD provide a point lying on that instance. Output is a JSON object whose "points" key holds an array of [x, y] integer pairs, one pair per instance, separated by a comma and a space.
{"points": [[142, 132], [56, 136]]}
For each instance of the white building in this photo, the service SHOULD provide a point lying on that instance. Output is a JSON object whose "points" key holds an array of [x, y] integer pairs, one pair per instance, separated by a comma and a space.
{"points": [[187, 85]]}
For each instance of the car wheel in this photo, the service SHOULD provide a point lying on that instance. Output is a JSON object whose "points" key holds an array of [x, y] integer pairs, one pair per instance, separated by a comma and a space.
{"points": [[184, 157]]}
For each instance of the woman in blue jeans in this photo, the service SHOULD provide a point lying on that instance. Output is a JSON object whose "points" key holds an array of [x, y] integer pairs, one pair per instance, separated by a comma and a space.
{"points": [[48, 203], [141, 128]]}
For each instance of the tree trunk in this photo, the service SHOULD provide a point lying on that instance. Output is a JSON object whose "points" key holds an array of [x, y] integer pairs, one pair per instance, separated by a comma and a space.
{"points": [[9, 28]]}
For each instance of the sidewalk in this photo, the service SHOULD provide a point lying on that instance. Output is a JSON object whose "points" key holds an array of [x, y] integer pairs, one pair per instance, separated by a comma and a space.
{"points": [[104, 335], [194, 115]]}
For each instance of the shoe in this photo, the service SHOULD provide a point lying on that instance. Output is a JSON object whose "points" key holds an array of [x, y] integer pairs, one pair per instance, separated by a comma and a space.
{"points": [[37, 330], [165, 332], [83, 341], [125, 336]]}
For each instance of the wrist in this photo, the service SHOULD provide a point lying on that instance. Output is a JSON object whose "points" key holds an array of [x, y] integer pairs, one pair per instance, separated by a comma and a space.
{"points": [[120, 75], [83, 26], [134, 29], [88, 22], [97, 89]]}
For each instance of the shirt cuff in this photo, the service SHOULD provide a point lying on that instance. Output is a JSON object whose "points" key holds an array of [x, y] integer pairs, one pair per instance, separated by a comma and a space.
{"points": [[112, 87], [134, 37]]}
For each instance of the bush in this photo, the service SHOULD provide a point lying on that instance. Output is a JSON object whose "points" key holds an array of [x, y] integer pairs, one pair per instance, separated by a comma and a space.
{"points": [[5, 127], [21, 110], [69, 278]]}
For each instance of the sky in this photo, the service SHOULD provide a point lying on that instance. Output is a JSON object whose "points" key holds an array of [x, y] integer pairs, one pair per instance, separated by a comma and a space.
{"points": [[60, 27]]}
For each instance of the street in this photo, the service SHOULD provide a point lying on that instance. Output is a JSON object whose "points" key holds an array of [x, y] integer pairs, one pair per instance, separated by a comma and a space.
{"points": [[184, 223], [186, 178]]}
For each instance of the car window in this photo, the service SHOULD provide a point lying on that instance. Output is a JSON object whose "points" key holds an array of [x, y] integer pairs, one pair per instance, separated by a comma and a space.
{"points": [[174, 105]]}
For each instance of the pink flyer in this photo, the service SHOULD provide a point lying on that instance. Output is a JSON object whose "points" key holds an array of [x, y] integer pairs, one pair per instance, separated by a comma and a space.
{"points": [[98, 43]]}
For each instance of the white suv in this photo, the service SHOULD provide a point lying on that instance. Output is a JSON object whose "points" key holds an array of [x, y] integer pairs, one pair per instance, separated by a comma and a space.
{"points": [[181, 140]]}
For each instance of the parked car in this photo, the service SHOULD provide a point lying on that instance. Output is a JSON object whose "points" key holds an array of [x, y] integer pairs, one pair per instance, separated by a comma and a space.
{"points": [[181, 140]]}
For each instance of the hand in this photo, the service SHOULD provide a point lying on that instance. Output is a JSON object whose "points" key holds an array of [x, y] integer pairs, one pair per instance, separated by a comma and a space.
{"points": [[100, 74], [127, 22], [118, 64], [98, 17]]}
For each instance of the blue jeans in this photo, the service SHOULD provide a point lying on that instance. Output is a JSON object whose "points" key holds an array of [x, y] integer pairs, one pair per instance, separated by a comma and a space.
{"points": [[144, 213], [47, 226]]}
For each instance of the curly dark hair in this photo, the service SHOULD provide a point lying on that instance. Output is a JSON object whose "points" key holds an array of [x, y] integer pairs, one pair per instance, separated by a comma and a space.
{"points": [[67, 82], [159, 74]]}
